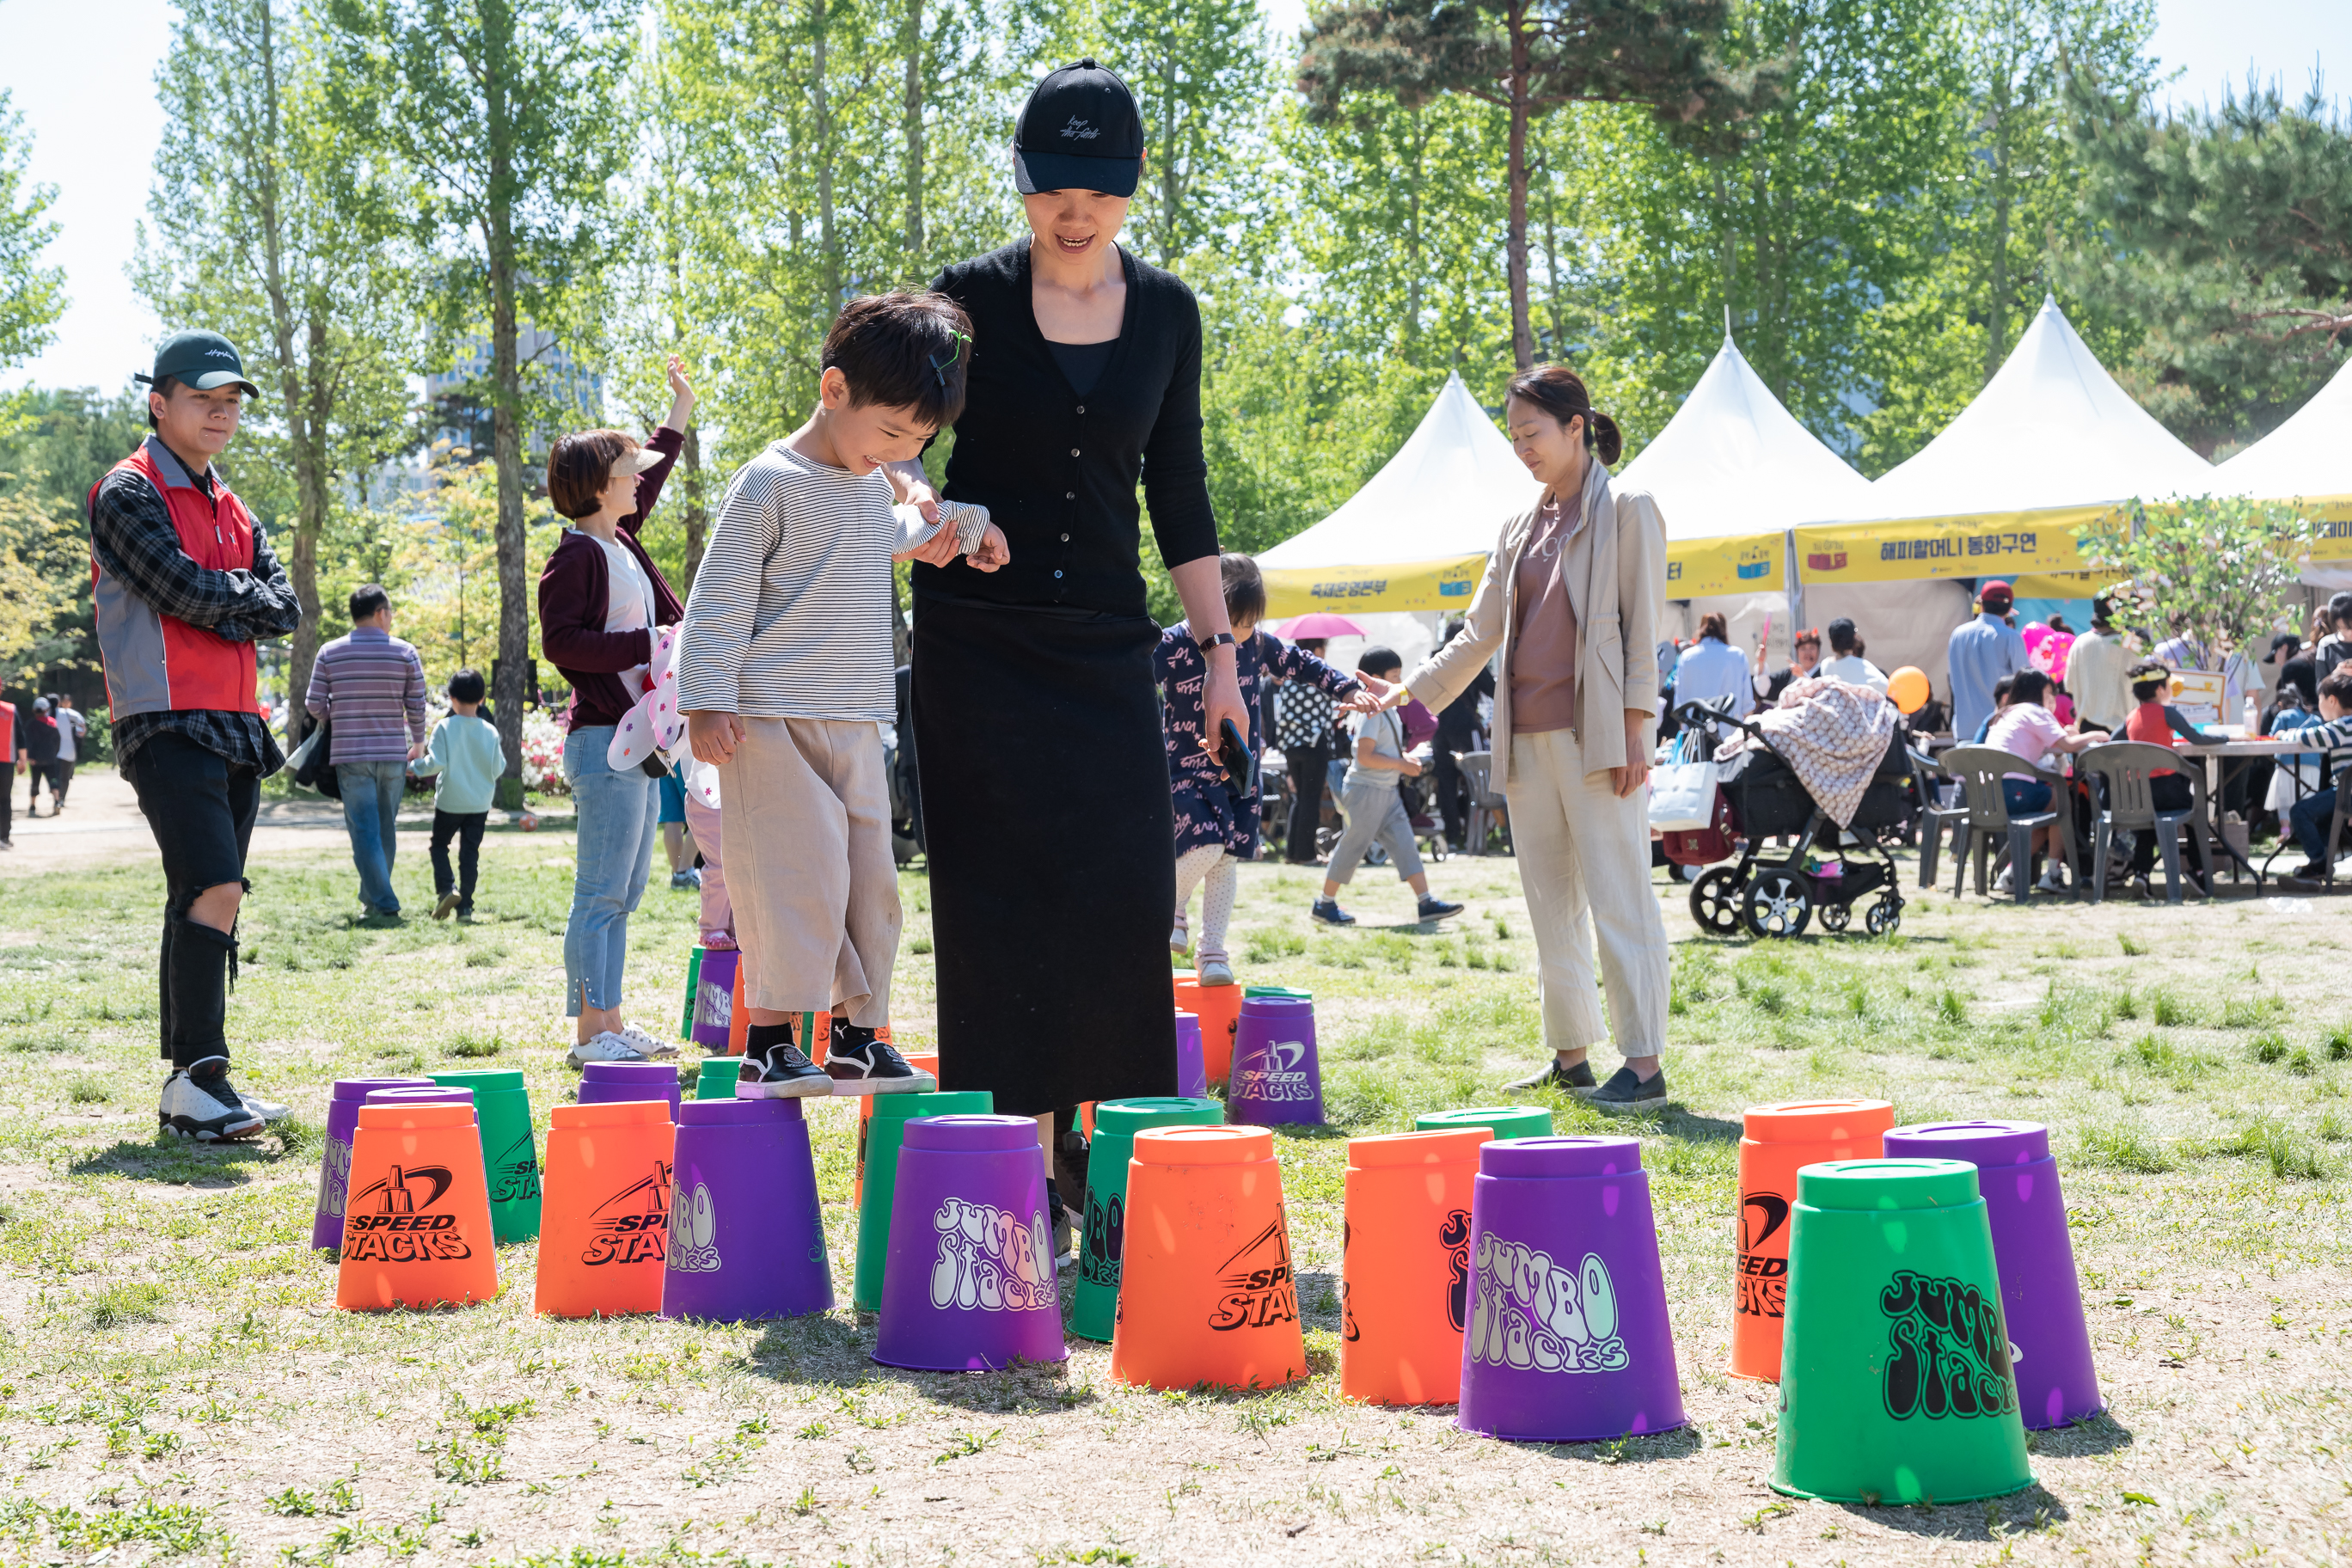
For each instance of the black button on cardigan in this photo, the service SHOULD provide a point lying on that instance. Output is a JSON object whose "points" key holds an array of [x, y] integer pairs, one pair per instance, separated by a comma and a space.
{"points": [[1140, 422]]}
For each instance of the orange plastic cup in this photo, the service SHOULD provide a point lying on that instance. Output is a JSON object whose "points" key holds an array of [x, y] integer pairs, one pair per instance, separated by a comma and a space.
{"points": [[1405, 1275], [1219, 1008], [922, 1061], [1779, 1139], [739, 1019], [416, 1225], [1207, 1293], [603, 1227]]}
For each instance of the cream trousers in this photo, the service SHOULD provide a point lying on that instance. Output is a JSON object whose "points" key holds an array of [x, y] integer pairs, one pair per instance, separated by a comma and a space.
{"points": [[1584, 864]]}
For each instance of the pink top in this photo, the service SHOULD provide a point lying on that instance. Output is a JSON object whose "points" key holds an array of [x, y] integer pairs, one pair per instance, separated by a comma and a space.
{"points": [[1543, 645], [2028, 728]]}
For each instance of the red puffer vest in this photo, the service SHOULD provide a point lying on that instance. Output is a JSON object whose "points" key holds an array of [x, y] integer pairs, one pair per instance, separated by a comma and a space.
{"points": [[156, 662]]}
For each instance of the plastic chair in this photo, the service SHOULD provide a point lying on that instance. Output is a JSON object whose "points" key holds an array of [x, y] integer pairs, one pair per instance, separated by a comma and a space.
{"points": [[1933, 818], [2121, 769], [2342, 779], [1488, 809], [1981, 770]]}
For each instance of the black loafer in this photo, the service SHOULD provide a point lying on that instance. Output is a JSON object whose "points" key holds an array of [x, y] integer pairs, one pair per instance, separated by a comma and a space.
{"points": [[1577, 1080], [1623, 1091]]}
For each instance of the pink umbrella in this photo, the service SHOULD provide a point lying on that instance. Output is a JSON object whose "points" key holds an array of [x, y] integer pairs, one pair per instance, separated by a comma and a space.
{"points": [[1321, 624]]}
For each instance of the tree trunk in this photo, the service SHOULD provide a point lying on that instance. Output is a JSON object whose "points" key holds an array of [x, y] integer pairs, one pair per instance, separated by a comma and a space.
{"points": [[1171, 189], [696, 516], [1551, 257], [506, 424], [1997, 280], [1523, 337], [911, 116]]}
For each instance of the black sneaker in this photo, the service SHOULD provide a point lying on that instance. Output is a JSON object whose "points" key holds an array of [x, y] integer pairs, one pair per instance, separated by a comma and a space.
{"points": [[1057, 1216], [784, 1073], [1070, 1152], [1437, 909], [1329, 912], [1577, 1079], [1623, 1091], [444, 906], [206, 1109], [864, 1061]]}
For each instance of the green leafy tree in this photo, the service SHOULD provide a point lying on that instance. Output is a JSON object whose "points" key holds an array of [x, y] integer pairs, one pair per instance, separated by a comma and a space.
{"points": [[1530, 57], [1201, 74], [32, 296], [2215, 570], [507, 115], [2229, 231], [54, 445], [269, 224]]}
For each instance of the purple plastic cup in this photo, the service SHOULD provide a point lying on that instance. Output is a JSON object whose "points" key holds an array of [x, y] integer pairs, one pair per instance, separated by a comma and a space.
{"points": [[608, 1083], [970, 1283], [1192, 1069], [2040, 1298], [344, 1103], [714, 998], [746, 1234], [1568, 1339], [1274, 1078]]}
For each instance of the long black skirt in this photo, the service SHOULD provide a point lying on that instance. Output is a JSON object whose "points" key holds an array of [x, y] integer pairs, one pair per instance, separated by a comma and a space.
{"points": [[1048, 831]]}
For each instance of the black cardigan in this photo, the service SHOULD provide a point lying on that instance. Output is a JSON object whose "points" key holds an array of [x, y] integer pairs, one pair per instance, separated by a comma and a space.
{"points": [[1057, 471]]}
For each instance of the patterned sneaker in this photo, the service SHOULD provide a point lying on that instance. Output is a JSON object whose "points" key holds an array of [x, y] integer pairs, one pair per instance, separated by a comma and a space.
{"points": [[647, 1046], [207, 1110], [784, 1073], [864, 1061], [604, 1046]]}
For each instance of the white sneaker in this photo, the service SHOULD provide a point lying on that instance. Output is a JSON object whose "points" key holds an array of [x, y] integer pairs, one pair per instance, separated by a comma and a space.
{"points": [[1180, 940], [1216, 971], [206, 1112], [268, 1110], [606, 1046], [646, 1044], [2005, 882], [2051, 882]]}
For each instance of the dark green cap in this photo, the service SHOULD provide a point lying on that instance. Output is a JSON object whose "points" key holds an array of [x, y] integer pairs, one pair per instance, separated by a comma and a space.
{"points": [[201, 359]]}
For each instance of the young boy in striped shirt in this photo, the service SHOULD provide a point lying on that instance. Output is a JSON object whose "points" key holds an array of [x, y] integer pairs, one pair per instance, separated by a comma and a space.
{"points": [[786, 676]]}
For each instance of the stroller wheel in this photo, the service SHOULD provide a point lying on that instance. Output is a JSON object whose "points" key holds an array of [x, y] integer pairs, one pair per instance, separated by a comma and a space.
{"points": [[1714, 900], [1836, 916], [1883, 917], [1777, 904]]}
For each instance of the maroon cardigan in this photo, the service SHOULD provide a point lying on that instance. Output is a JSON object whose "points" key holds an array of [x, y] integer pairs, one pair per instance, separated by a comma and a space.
{"points": [[574, 590]]}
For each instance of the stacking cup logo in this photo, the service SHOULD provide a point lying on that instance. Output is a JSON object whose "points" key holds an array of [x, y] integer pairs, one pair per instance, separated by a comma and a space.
{"points": [[1763, 1282], [694, 1233], [1530, 1314], [1274, 1074], [514, 1175], [1951, 1353], [396, 1221], [1259, 1286], [1105, 1238], [334, 1177], [633, 1225], [1454, 1237], [989, 1260]]}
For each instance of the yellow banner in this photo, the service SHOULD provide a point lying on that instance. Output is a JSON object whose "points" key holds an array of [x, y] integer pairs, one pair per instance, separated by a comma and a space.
{"points": [[2333, 516], [1446, 584], [2065, 584], [1993, 545], [1743, 564]]}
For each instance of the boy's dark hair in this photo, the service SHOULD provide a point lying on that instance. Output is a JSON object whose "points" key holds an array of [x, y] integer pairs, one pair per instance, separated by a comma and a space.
{"points": [[903, 350], [1244, 587], [466, 686], [2002, 688], [166, 384], [1842, 638], [579, 467], [1377, 661], [2149, 680], [367, 599], [2339, 685], [2339, 605], [2103, 613], [2295, 681], [2028, 686]]}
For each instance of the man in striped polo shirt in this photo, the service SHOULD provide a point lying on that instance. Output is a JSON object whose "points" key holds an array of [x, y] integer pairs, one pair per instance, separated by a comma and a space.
{"points": [[371, 686]]}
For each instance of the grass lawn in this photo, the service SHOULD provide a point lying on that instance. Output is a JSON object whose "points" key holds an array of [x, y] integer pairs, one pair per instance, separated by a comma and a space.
{"points": [[177, 1382]]}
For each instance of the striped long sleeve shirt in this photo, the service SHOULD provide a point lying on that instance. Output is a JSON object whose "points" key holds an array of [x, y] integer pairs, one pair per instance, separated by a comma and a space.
{"points": [[791, 613], [371, 686]]}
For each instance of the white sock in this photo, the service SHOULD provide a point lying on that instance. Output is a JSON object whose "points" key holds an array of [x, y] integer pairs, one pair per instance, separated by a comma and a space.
{"points": [[1190, 867], [1217, 906]]}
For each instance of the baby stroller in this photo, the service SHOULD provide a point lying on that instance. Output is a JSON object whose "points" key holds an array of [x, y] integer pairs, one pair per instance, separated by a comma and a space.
{"points": [[1820, 870]]}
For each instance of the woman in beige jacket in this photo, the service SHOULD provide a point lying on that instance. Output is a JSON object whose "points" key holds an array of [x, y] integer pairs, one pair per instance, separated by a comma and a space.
{"points": [[1572, 597]]}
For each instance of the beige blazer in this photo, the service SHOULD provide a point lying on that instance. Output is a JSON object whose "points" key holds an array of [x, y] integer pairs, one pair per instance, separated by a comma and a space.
{"points": [[1615, 568]]}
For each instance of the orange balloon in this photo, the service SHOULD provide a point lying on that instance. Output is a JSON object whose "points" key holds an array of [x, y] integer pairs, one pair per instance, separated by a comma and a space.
{"points": [[604, 1231], [1406, 1267], [1907, 688], [416, 1227], [1775, 1139]]}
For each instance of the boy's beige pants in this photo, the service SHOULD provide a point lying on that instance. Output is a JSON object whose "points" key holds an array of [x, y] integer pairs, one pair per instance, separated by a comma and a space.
{"points": [[1584, 863], [805, 815]]}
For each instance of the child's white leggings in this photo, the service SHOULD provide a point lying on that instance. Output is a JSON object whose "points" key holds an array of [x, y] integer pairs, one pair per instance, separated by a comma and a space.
{"points": [[1211, 864]]}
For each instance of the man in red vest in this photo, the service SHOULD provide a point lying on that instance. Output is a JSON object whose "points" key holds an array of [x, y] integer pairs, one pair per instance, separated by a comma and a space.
{"points": [[184, 586]]}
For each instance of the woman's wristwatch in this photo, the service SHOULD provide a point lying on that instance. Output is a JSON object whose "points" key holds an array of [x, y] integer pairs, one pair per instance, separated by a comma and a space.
{"points": [[1218, 639]]}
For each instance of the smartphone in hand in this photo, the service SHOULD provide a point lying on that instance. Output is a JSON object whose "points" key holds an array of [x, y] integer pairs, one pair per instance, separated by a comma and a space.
{"points": [[1232, 753]]}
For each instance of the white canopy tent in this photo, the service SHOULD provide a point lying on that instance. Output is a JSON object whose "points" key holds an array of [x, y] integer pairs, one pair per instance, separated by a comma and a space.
{"points": [[2308, 459]]}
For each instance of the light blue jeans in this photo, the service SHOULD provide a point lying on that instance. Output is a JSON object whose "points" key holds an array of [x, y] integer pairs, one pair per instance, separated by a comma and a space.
{"points": [[370, 814], [616, 833]]}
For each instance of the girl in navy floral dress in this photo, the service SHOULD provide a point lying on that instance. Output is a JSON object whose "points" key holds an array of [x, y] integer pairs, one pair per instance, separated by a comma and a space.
{"points": [[1217, 818]]}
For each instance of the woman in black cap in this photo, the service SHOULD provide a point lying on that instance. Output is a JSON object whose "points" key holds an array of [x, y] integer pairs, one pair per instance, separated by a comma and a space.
{"points": [[1046, 794]]}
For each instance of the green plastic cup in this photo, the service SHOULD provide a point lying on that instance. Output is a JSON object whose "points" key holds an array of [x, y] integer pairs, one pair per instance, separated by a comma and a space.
{"points": [[1896, 1380], [509, 1155], [1502, 1120], [1290, 991], [693, 979], [1094, 1303], [884, 1130], [717, 1080]]}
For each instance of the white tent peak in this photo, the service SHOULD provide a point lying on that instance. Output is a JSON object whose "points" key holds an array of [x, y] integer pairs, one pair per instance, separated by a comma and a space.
{"points": [[2050, 429], [1446, 492], [1733, 459], [2308, 457]]}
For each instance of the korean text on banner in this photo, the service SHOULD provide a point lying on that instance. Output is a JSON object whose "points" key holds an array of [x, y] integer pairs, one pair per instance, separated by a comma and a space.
{"points": [[2331, 527], [1993, 545], [1742, 563], [1443, 584]]}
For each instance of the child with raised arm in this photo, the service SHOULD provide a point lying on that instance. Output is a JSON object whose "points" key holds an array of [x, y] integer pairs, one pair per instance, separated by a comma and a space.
{"points": [[786, 678]]}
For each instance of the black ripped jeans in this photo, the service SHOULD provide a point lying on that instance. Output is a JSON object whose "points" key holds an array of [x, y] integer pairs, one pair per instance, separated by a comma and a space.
{"points": [[200, 806]]}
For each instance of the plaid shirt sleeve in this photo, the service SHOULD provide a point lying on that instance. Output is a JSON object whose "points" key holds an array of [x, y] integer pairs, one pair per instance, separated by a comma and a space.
{"points": [[131, 533]]}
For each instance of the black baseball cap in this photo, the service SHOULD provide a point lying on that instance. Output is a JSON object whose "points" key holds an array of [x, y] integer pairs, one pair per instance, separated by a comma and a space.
{"points": [[201, 359], [1080, 130]]}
